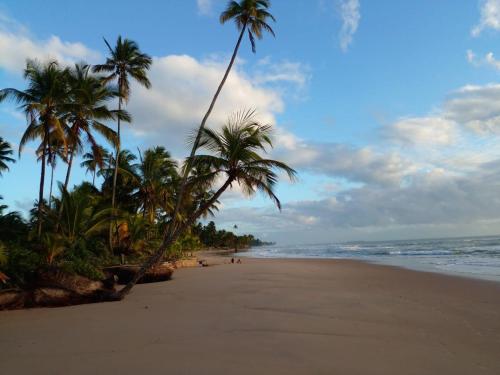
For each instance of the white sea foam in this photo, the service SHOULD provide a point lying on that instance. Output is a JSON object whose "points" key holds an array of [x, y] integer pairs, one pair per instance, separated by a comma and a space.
{"points": [[476, 257]]}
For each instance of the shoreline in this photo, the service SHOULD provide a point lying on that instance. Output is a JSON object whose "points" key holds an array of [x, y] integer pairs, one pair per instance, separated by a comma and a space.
{"points": [[407, 265], [269, 316], [423, 270]]}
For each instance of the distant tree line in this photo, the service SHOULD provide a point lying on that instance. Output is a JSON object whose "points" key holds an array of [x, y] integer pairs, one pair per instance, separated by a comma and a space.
{"points": [[210, 236]]}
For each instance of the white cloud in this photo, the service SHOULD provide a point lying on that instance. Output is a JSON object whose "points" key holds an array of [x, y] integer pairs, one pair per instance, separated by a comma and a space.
{"points": [[181, 92], [205, 7], [476, 107], [350, 14], [471, 57], [17, 45], [471, 107], [354, 164], [488, 59], [435, 203], [490, 17], [423, 131], [286, 71]]}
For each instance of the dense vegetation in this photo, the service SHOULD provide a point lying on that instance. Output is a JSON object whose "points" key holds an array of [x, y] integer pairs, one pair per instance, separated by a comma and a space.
{"points": [[209, 236], [145, 205]]}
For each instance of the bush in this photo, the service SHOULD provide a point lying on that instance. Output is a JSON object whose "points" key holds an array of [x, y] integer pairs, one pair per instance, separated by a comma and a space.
{"points": [[21, 266], [83, 268]]}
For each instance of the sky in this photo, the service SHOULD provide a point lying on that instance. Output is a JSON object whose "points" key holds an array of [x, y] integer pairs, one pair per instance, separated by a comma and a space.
{"points": [[389, 110]]}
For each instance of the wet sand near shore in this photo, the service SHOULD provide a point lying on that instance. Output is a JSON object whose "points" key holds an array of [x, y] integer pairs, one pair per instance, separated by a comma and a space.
{"points": [[269, 317]]}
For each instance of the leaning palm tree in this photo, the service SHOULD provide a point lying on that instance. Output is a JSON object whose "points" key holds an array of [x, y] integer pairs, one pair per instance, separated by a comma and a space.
{"points": [[125, 62], [249, 16], [234, 155], [87, 111], [43, 102], [5, 151]]}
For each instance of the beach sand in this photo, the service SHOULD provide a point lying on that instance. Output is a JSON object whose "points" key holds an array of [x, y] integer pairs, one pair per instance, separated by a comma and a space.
{"points": [[269, 317]]}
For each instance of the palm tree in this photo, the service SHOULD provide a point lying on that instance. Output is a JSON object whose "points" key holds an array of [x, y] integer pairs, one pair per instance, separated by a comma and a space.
{"points": [[56, 148], [43, 102], [158, 174], [86, 111], [5, 151], [94, 160], [125, 62], [126, 186], [234, 154], [248, 15]]}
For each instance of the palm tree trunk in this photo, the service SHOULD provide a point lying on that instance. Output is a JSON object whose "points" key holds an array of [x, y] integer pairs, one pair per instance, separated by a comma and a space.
{"points": [[219, 89], [115, 175], [68, 171], [169, 236], [66, 183], [93, 179], [202, 125], [169, 240], [40, 193], [51, 184]]}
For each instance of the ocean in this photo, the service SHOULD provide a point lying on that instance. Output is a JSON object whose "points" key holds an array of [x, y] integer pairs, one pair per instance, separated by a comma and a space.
{"points": [[477, 257]]}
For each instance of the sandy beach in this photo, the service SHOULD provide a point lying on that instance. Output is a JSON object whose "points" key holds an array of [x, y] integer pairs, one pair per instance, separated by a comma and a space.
{"points": [[269, 317]]}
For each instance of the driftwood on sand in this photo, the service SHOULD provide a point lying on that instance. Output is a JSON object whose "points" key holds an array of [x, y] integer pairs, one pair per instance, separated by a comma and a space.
{"points": [[125, 273], [54, 287]]}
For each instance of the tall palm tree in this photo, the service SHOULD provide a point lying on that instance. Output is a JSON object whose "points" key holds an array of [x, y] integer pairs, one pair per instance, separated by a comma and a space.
{"points": [[5, 151], [43, 103], [86, 112], [249, 16], [94, 160], [234, 155], [125, 62]]}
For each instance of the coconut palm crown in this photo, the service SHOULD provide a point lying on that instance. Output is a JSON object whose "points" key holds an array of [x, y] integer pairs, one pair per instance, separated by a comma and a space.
{"points": [[250, 14], [43, 103], [5, 151], [234, 152], [125, 61]]}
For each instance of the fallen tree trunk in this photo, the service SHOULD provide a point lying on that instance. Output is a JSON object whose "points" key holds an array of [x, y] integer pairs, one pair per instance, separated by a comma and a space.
{"points": [[53, 288], [125, 273]]}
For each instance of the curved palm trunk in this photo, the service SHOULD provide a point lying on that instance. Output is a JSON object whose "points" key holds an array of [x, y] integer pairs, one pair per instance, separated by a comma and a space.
{"points": [[93, 179], [171, 234], [68, 171], [115, 174], [169, 240], [51, 184], [40, 193], [202, 126]]}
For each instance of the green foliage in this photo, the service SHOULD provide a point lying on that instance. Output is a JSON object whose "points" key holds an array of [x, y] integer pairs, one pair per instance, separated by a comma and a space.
{"points": [[210, 236], [3, 255], [83, 267], [187, 243], [21, 265], [86, 228], [252, 15], [53, 246], [5, 151], [13, 228]]}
